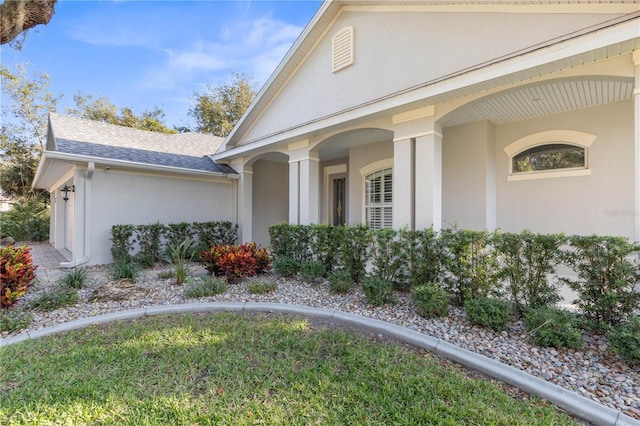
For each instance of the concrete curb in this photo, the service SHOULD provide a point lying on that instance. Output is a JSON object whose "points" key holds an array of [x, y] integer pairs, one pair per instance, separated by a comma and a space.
{"points": [[582, 407]]}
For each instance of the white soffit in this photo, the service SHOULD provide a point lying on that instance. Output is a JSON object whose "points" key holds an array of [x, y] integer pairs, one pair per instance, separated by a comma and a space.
{"points": [[544, 98]]}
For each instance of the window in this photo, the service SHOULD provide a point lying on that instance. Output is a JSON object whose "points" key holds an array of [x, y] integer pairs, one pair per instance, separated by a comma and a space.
{"points": [[379, 198], [551, 156]]}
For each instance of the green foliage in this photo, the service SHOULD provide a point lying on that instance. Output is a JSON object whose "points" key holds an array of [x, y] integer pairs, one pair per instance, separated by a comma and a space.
{"points": [[166, 275], [218, 109], [181, 254], [57, 298], [471, 264], [431, 300], [207, 286], [553, 327], [214, 233], [607, 270], [488, 312], [17, 273], [625, 340], [286, 266], [149, 239], [28, 220], [377, 290], [18, 168], [74, 279], [324, 245], [386, 251], [312, 270], [104, 111], [176, 233], [340, 281], [354, 246], [123, 268], [526, 259], [236, 262], [12, 320], [260, 287], [424, 251], [122, 241]]}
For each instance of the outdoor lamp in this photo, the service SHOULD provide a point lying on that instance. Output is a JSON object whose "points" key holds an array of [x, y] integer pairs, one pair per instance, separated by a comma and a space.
{"points": [[66, 189]]}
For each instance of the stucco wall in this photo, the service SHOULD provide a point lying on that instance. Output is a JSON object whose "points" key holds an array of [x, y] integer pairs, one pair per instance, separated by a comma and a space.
{"points": [[270, 198], [360, 157], [601, 203], [399, 50], [468, 189], [124, 198]]}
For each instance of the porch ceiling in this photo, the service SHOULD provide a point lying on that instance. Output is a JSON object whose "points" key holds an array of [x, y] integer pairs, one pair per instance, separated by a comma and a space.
{"points": [[544, 98]]}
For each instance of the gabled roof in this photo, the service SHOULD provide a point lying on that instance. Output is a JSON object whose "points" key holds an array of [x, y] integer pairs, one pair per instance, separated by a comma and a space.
{"points": [[95, 139], [74, 140]]}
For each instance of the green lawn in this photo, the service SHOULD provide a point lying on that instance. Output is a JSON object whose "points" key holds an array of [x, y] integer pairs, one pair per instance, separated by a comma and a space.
{"points": [[234, 369]]}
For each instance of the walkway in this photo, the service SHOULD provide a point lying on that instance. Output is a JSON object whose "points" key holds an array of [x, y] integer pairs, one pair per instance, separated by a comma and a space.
{"points": [[48, 259]]}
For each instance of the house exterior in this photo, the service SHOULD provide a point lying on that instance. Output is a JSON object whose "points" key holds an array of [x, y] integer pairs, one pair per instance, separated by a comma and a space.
{"points": [[100, 175], [480, 114]]}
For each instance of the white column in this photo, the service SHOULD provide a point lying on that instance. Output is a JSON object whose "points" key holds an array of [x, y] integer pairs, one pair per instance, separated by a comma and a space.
{"points": [[428, 172], [403, 183], [636, 141], [294, 192], [309, 189], [245, 205], [58, 218]]}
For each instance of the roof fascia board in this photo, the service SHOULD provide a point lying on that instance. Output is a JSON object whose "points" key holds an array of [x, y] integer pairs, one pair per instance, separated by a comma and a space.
{"points": [[565, 8], [54, 155], [290, 53], [572, 46]]}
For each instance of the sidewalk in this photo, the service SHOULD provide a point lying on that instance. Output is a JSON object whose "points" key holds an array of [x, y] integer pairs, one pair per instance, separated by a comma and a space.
{"points": [[47, 259]]}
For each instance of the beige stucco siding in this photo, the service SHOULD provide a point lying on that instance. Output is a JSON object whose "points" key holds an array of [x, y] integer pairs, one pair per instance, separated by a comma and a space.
{"points": [[601, 203], [399, 50], [270, 198], [129, 198]]}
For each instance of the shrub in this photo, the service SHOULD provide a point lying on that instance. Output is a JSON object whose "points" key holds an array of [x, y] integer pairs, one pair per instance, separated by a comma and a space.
{"points": [[206, 287], [14, 320], [74, 279], [625, 340], [214, 233], [122, 241], [488, 312], [526, 260], [181, 254], [260, 287], [325, 244], [431, 300], [235, 262], [55, 299], [149, 239], [340, 281], [175, 234], [354, 243], [312, 270], [286, 266], [607, 269], [17, 273], [28, 220], [292, 241], [424, 251], [124, 268], [471, 264], [553, 327], [377, 290], [387, 254], [263, 260]]}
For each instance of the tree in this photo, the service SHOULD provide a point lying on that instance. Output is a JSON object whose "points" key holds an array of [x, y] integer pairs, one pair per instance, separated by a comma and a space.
{"points": [[103, 110], [218, 109], [18, 167], [17, 16]]}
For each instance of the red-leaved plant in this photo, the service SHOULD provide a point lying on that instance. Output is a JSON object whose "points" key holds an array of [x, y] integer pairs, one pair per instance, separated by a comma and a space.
{"points": [[236, 262], [17, 273]]}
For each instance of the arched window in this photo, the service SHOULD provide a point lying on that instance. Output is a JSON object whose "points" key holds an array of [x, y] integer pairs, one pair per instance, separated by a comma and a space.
{"points": [[379, 198], [550, 154]]}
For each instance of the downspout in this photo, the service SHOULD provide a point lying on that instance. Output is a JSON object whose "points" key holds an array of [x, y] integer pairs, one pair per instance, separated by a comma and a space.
{"points": [[87, 219]]}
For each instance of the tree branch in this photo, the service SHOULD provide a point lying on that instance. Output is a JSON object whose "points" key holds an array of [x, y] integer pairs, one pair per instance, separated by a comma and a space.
{"points": [[17, 16]]}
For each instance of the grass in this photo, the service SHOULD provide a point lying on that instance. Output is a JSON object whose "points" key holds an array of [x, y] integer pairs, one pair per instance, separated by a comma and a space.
{"points": [[56, 298], [207, 286], [255, 286], [75, 278], [234, 369]]}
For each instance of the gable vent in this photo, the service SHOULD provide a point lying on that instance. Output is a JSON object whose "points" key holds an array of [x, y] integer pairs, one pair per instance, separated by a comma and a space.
{"points": [[343, 49]]}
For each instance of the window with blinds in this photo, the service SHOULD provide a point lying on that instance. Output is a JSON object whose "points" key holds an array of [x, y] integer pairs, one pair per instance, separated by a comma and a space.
{"points": [[379, 198], [343, 49]]}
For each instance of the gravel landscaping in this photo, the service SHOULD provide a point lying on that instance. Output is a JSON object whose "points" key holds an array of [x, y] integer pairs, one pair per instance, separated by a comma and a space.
{"points": [[591, 371]]}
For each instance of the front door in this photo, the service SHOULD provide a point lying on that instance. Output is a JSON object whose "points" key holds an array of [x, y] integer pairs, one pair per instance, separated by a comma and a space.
{"points": [[339, 199]]}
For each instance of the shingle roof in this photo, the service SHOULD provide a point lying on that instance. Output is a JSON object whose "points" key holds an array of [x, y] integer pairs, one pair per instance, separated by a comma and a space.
{"points": [[92, 138]]}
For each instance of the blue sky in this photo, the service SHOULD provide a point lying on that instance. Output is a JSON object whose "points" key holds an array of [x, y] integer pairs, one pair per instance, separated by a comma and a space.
{"points": [[144, 54]]}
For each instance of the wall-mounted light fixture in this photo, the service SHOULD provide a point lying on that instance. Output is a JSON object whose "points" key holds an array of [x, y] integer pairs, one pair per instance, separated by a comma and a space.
{"points": [[67, 189]]}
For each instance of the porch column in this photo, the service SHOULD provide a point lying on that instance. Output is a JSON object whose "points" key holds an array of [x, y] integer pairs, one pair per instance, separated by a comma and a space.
{"points": [[428, 210], [294, 192], [636, 141], [57, 220], [309, 186], [245, 205], [403, 183]]}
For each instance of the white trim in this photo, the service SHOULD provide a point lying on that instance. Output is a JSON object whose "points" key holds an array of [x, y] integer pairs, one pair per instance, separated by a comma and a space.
{"points": [[377, 165], [403, 117], [418, 135], [548, 174], [573, 137], [576, 8]]}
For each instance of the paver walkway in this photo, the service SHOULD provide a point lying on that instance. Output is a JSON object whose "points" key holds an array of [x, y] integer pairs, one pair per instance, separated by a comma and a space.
{"points": [[48, 259]]}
